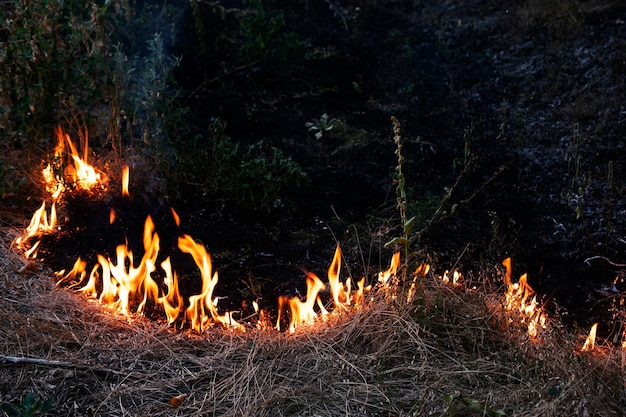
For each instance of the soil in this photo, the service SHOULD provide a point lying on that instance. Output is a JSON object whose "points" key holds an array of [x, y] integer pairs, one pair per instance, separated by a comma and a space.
{"points": [[512, 120]]}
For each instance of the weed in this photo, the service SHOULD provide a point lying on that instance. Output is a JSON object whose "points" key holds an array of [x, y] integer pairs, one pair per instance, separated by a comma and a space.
{"points": [[29, 407], [321, 125], [401, 197]]}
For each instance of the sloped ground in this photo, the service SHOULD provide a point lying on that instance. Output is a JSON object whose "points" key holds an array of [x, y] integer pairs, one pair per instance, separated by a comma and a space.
{"points": [[514, 106]]}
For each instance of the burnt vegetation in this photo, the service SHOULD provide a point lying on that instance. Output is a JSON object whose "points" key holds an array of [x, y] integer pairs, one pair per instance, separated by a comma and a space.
{"points": [[458, 132]]}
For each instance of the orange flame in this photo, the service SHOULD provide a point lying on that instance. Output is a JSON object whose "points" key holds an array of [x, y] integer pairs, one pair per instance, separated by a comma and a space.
{"points": [[518, 297], [39, 224], [302, 312], [125, 178], [79, 173], [200, 303], [383, 277], [590, 343], [339, 291]]}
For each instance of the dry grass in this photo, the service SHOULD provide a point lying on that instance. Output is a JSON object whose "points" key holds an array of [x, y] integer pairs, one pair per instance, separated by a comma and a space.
{"points": [[449, 352]]}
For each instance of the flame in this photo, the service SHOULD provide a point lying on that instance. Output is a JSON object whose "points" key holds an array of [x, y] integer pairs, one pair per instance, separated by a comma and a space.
{"points": [[590, 343], [79, 174], [39, 224], [339, 291], [175, 216], [421, 270], [456, 277], [521, 297], [302, 312], [383, 277], [200, 303], [125, 178]]}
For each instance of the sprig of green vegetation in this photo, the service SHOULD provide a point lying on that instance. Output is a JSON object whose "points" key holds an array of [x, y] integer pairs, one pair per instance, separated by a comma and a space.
{"points": [[29, 407], [251, 176], [321, 125]]}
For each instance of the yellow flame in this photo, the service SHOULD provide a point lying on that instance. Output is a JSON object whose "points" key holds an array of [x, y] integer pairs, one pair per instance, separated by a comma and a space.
{"points": [[39, 225], [590, 343], [521, 297], [79, 172], [125, 179], [383, 277], [302, 312]]}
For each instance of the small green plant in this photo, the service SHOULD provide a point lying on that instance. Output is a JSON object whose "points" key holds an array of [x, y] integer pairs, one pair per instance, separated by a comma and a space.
{"points": [[321, 125], [29, 407]]}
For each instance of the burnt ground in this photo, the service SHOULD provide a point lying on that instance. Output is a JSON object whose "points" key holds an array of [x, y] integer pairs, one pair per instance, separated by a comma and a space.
{"points": [[513, 120]]}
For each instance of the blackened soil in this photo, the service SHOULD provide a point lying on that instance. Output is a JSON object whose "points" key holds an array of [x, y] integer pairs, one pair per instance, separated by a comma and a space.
{"points": [[513, 120]]}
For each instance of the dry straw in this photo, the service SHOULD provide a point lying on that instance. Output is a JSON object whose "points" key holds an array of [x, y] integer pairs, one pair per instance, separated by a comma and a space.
{"points": [[450, 351]]}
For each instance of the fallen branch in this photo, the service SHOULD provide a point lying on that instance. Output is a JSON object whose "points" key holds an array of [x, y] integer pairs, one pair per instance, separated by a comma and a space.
{"points": [[20, 360]]}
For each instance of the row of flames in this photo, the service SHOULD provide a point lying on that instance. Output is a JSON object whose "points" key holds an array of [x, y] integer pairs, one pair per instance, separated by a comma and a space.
{"points": [[128, 287]]}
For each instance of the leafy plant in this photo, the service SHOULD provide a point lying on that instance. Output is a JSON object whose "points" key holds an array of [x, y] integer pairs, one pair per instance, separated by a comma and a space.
{"points": [[250, 176], [321, 125], [29, 407]]}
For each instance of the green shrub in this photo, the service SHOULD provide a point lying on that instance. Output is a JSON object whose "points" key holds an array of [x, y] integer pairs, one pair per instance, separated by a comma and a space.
{"points": [[221, 170]]}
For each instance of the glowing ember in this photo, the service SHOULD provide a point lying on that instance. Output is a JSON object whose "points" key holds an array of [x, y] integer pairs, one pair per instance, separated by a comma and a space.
{"points": [[521, 297], [590, 343]]}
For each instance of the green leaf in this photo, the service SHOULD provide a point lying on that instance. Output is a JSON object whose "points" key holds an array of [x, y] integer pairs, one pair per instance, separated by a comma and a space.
{"points": [[409, 225], [397, 241]]}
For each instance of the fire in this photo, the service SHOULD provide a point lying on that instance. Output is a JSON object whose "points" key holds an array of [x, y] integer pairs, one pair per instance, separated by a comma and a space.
{"points": [[306, 311], [201, 303], [383, 277], [125, 179], [590, 343], [521, 297], [302, 312], [79, 173], [39, 224]]}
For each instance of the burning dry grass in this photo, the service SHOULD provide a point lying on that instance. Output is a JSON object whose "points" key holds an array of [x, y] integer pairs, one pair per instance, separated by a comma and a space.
{"points": [[448, 352]]}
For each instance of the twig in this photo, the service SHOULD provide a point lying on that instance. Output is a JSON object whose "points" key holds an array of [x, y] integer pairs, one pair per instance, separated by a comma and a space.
{"points": [[20, 360], [605, 259]]}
